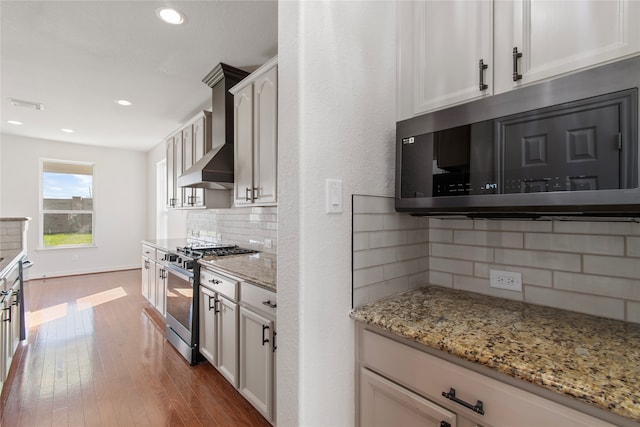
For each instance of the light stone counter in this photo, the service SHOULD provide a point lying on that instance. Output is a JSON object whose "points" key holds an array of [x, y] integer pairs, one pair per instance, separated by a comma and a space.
{"points": [[592, 359], [258, 269]]}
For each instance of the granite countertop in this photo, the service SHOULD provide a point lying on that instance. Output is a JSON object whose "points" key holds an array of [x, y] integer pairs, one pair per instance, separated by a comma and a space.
{"points": [[258, 269], [592, 359]]}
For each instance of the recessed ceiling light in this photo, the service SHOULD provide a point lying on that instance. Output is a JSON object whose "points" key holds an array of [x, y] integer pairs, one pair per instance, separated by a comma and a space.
{"points": [[123, 102], [14, 122], [26, 104], [67, 130], [171, 15]]}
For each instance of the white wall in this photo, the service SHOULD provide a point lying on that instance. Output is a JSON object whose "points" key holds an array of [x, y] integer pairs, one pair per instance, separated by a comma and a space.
{"points": [[119, 188], [336, 120], [176, 218]]}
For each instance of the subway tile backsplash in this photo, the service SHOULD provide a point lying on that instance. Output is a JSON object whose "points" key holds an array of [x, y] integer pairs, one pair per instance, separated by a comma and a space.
{"points": [[588, 267], [252, 227], [390, 250]]}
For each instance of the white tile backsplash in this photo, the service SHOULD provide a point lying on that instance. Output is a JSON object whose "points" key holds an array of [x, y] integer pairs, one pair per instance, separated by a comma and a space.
{"points": [[390, 250], [245, 226], [589, 267]]}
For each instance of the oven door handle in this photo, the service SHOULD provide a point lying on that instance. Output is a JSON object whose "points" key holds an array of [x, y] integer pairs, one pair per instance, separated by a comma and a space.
{"points": [[176, 271]]}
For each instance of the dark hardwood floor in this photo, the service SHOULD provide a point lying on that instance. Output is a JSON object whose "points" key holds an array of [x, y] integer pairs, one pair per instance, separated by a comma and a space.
{"points": [[95, 357]]}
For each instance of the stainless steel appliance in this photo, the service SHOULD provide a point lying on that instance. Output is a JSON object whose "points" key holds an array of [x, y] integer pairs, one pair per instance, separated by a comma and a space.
{"points": [[183, 280], [566, 147]]}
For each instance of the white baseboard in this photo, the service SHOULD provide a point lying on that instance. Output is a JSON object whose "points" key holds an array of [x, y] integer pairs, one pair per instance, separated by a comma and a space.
{"points": [[81, 272]]}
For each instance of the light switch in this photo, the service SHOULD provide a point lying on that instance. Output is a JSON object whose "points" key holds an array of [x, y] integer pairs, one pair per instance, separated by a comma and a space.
{"points": [[334, 195]]}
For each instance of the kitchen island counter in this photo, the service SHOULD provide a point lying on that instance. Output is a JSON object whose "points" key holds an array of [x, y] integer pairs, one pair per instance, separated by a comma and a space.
{"points": [[592, 359]]}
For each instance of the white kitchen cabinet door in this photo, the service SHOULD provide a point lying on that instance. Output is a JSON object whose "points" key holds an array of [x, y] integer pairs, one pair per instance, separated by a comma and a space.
{"points": [[201, 144], [440, 45], [171, 173], [161, 297], [208, 324], [243, 147], [265, 150], [146, 265], [558, 37], [386, 404], [228, 340], [256, 361], [153, 273]]}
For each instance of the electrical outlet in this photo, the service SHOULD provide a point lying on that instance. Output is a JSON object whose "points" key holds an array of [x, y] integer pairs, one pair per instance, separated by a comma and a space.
{"points": [[508, 280]]}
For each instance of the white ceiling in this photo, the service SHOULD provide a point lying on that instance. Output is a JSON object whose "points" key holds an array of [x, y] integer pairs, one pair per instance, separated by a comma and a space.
{"points": [[78, 57]]}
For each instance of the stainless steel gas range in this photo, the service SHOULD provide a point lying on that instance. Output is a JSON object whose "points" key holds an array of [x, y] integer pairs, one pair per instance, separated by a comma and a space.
{"points": [[183, 279]]}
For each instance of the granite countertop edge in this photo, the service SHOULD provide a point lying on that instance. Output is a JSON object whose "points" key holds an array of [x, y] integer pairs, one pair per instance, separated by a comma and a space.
{"points": [[516, 341]]}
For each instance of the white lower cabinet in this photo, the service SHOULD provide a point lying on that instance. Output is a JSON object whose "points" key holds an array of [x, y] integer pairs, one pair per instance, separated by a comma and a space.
{"points": [[208, 325], [154, 278], [401, 385], [146, 269], [256, 360], [219, 322], [238, 337], [228, 340], [385, 403], [160, 302]]}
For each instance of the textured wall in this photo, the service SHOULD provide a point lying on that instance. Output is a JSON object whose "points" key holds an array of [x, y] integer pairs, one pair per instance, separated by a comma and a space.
{"points": [[336, 120]]}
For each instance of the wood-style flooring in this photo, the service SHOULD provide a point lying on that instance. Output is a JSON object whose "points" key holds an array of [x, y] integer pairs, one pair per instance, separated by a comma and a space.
{"points": [[95, 357]]}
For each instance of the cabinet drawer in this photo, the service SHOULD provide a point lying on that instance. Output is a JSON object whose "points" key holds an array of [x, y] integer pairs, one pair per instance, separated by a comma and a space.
{"points": [[430, 376], [258, 298], [149, 251], [218, 283], [161, 255]]}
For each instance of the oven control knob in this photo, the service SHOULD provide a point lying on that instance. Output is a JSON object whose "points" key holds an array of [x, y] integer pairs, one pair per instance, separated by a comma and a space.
{"points": [[171, 257]]}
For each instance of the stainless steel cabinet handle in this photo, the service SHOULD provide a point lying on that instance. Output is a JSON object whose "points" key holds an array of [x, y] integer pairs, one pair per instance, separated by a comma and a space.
{"points": [[246, 194], [264, 340], [268, 303], [481, 67], [516, 56], [451, 395]]}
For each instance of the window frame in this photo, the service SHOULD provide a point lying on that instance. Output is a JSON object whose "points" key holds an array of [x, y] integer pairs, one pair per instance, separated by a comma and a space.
{"points": [[42, 211]]}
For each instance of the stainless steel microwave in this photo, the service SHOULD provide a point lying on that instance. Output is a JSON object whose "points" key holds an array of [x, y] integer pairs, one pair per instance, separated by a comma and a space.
{"points": [[564, 147]]}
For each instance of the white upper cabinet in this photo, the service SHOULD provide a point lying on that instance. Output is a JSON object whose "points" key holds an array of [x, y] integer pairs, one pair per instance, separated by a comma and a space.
{"points": [[265, 152], [558, 37], [256, 137], [441, 43], [243, 145], [440, 46]]}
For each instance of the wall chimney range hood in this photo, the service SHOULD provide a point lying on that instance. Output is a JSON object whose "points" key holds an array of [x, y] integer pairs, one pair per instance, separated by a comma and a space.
{"points": [[215, 169]]}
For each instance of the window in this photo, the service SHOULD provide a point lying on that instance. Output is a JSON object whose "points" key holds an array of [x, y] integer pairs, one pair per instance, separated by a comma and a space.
{"points": [[67, 208]]}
